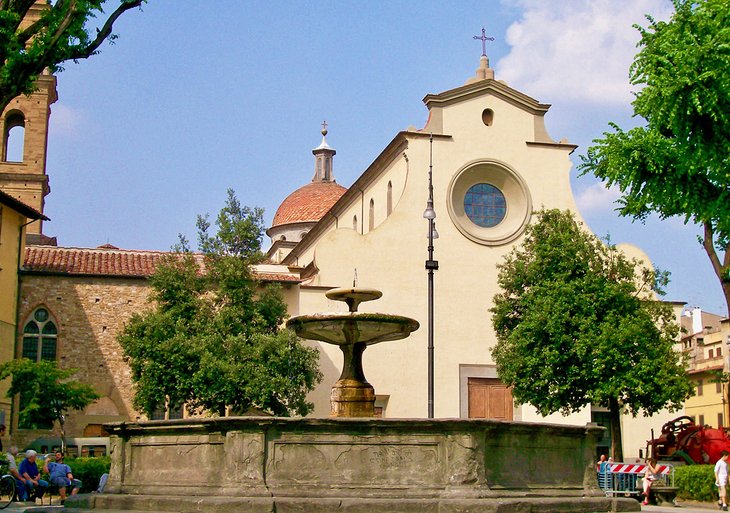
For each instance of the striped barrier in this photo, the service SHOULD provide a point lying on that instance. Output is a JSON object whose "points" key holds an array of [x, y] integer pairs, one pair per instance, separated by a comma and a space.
{"points": [[623, 478]]}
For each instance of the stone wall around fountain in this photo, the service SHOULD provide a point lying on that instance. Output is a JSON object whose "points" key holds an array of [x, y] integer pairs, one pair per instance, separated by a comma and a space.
{"points": [[264, 464]]}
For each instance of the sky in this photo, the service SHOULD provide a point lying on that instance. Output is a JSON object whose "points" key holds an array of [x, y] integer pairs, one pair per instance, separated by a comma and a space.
{"points": [[197, 97]]}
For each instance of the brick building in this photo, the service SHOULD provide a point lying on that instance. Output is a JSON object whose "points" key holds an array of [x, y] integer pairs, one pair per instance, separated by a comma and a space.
{"points": [[73, 304]]}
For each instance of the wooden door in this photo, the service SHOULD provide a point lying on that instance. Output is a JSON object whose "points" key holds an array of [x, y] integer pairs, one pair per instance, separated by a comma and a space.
{"points": [[489, 398]]}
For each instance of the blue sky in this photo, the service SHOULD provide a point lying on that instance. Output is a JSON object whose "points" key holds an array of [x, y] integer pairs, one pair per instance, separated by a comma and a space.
{"points": [[196, 97]]}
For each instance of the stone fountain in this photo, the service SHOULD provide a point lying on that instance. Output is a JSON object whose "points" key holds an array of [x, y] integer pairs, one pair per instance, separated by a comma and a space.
{"points": [[352, 462], [352, 395]]}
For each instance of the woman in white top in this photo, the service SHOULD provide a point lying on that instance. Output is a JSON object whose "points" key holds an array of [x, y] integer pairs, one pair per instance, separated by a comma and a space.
{"points": [[650, 475]]}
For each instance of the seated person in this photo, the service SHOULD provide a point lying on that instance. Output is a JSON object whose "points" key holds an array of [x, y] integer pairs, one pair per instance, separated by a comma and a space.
{"points": [[61, 476], [35, 487], [13, 470]]}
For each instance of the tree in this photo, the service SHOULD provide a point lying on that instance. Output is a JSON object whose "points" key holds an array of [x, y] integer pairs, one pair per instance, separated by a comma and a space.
{"points": [[577, 324], [678, 163], [62, 32], [46, 392], [214, 339]]}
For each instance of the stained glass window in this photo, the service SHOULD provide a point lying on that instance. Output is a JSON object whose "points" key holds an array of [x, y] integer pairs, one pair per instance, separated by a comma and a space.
{"points": [[485, 205]]}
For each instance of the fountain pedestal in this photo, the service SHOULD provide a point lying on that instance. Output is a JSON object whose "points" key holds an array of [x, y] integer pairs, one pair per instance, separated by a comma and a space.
{"points": [[352, 395]]}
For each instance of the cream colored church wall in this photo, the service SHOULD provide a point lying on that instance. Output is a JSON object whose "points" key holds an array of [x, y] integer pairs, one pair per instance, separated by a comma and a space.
{"points": [[392, 256]]}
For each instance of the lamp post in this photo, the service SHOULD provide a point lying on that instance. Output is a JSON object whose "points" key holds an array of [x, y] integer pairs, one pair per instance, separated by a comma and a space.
{"points": [[431, 266]]}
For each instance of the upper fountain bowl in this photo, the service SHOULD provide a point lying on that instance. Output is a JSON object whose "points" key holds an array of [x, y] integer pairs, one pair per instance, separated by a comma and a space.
{"points": [[352, 327]]}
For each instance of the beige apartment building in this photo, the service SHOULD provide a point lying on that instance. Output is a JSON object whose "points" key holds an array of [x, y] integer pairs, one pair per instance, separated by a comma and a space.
{"points": [[706, 339]]}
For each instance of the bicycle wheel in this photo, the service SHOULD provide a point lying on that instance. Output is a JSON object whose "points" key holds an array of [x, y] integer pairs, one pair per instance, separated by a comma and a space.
{"points": [[7, 491]]}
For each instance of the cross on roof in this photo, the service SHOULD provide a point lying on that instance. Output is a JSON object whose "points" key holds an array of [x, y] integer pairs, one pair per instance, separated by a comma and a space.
{"points": [[484, 38], [324, 127]]}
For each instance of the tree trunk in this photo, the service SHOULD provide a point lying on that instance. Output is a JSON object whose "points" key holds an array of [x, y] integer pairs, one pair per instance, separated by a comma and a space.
{"points": [[721, 268], [617, 451]]}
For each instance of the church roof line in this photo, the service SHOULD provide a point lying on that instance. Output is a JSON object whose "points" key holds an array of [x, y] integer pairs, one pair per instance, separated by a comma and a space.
{"points": [[499, 89], [116, 263], [394, 149]]}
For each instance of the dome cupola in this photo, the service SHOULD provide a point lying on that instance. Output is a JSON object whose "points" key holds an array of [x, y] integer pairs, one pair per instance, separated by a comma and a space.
{"points": [[304, 207]]}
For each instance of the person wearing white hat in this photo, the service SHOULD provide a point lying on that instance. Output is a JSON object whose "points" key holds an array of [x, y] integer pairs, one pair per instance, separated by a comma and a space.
{"points": [[31, 475]]}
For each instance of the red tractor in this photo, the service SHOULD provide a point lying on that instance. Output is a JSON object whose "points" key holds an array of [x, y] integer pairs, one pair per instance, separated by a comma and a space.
{"points": [[683, 440]]}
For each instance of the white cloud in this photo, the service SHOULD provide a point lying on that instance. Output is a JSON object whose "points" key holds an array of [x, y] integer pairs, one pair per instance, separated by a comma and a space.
{"points": [[576, 50], [597, 198], [66, 121]]}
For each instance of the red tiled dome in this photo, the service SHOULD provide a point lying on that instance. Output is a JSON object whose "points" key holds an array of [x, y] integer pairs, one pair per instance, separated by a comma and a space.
{"points": [[308, 203]]}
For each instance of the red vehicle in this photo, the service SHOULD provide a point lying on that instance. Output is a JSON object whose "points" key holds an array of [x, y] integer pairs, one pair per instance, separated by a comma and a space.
{"points": [[683, 440]]}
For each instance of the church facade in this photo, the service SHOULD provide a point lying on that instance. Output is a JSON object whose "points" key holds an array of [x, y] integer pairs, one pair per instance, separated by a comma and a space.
{"points": [[492, 163]]}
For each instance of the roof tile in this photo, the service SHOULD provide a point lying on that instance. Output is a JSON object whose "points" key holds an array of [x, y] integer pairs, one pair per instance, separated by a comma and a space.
{"points": [[108, 262], [308, 203]]}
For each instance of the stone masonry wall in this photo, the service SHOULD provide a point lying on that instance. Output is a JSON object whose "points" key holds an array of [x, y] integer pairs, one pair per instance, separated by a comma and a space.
{"points": [[89, 312]]}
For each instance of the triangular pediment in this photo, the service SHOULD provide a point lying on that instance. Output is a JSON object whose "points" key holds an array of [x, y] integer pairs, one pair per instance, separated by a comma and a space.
{"points": [[482, 87]]}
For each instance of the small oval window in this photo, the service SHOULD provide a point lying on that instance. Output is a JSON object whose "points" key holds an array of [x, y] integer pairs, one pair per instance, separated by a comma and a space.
{"points": [[488, 117]]}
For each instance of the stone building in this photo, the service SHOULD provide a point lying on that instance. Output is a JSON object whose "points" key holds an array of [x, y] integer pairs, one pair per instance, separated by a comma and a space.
{"points": [[85, 296], [24, 142]]}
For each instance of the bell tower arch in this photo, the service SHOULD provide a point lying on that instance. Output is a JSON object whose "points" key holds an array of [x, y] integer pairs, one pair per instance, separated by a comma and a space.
{"points": [[24, 125]]}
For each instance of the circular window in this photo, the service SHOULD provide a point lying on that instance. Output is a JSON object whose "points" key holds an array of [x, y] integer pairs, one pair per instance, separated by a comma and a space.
{"points": [[485, 205], [41, 315], [489, 202]]}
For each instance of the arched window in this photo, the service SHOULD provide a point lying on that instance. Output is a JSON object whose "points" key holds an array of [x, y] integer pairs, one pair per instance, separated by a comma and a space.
{"points": [[371, 221], [389, 199], [39, 336], [354, 223], [14, 137]]}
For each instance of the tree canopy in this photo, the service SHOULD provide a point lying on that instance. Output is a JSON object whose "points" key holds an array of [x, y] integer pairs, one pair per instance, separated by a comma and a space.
{"points": [[577, 324], [63, 30], [46, 392], [678, 162], [214, 339]]}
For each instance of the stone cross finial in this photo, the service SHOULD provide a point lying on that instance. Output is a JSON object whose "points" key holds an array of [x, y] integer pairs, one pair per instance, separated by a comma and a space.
{"points": [[324, 127], [484, 38]]}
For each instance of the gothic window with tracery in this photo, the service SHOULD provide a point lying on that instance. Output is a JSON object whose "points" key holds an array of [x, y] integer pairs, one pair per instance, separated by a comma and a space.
{"points": [[40, 336]]}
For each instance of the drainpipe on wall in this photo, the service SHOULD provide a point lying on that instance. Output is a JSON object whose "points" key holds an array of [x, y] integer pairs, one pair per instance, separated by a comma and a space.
{"points": [[17, 309]]}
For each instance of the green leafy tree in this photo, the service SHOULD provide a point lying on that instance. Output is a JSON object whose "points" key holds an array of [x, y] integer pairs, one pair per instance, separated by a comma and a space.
{"points": [[214, 339], [678, 162], [64, 30], [577, 324], [46, 392]]}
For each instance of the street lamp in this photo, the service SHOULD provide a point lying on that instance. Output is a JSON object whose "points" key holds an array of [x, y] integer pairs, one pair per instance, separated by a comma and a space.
{"points": [[431, 266]]}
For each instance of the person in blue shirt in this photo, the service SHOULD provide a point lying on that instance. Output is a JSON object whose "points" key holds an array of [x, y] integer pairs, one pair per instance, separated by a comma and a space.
{"points": [[61, 476], [28, 470]]}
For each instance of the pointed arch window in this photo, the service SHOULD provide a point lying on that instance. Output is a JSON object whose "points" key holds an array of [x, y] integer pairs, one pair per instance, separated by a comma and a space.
{"points": [[40, 336], [354, 223], [389, 198], [371, 221]]}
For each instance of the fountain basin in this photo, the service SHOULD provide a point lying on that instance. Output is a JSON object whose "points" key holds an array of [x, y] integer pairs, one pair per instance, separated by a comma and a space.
{"points": [[267, 464], [352, 327]]}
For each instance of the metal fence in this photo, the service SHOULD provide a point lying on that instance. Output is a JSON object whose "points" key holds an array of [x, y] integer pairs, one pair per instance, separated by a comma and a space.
{"points": [[625, 479]]}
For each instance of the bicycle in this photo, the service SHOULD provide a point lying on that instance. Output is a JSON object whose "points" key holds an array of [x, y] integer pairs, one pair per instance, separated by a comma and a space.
{"points": [[7, 488]]}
